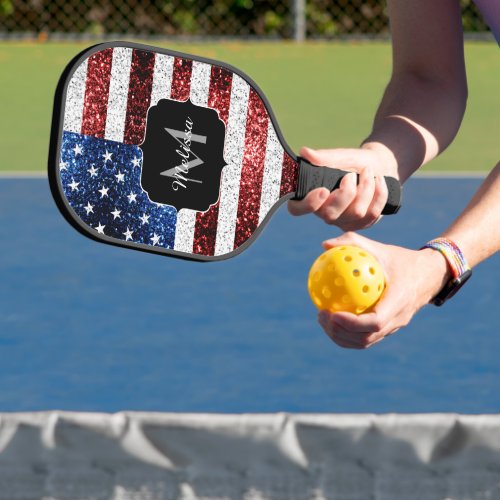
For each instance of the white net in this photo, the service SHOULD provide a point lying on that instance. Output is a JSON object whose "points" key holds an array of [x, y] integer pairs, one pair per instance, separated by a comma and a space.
{"points": [[160, 456]]}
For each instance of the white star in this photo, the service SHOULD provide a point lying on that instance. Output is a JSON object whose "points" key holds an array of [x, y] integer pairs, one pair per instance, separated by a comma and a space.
{"points": [[89, 208], [73, 185], [128, 234], [132, 197], [103, 191], [107, 156], [100, 228], [155, 239], [78, 149], [63, 165], [145, 219], [119, 176], [136, 162], [116, 213], [92, 171]]}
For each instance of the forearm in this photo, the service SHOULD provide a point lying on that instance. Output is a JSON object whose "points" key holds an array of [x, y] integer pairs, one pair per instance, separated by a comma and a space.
{"points": [[424, 103], [416, 120], [477, 230]]}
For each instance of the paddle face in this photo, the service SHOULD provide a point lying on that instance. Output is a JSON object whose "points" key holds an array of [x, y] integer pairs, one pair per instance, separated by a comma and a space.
{"points": [[166, 152]]}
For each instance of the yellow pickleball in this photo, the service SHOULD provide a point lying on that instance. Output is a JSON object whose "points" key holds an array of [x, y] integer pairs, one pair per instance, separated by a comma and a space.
{"points": [[346, 278]]}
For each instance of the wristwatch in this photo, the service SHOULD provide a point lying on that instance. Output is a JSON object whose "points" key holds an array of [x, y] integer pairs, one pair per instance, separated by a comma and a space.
{"points": [[460, 270]]}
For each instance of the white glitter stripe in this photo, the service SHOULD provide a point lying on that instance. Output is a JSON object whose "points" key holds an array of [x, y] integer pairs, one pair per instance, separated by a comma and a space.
{"points": [[75, 96], [273, 165], [118, 94], [186, 218], [200, 83], [231, 175], [162, 78]]}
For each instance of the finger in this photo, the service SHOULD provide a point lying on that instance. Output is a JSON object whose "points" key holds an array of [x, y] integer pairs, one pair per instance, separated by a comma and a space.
{"points": [[362, 324], [380, 195], [365, 191], [338, 334], [311, 203], [338, 201], [339, 157]]}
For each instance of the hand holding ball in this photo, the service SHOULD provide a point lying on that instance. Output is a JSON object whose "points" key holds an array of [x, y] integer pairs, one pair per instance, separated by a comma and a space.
{"points": [[346, 278]]}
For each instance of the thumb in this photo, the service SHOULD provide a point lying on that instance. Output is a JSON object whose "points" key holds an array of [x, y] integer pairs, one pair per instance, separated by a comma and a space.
{"points": [[338, 158]]}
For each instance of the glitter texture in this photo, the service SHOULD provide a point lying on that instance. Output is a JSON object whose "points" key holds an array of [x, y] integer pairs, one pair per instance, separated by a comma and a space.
{"points": [[206, 223], [75, 95], [109, 96], [272, 173], [118, 92], [162, 78], [181, 79], [233, 153], [289, 175], [252, 170], [96, 93], [101, 182], [139, 94]]}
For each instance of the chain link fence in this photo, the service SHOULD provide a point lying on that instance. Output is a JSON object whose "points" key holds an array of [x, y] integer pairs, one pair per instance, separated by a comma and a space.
{"points": [[284, 19]]}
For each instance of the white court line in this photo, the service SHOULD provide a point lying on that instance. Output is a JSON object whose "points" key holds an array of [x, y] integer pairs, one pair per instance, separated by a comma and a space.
{"points": [[454, 174], [11, 174]]}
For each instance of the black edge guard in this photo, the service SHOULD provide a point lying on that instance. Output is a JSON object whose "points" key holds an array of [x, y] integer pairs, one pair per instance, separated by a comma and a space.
{"points": [[312, 177]]}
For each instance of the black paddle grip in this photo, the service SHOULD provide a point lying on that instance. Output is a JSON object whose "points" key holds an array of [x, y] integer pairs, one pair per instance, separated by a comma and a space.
{"points": [[312, 177]]}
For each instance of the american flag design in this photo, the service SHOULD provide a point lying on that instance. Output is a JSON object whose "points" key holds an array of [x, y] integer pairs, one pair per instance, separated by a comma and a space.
{"points": [[105, 110]]}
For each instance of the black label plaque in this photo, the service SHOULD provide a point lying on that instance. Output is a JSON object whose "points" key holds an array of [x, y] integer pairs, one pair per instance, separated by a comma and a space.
{"points": [[183, 155]]}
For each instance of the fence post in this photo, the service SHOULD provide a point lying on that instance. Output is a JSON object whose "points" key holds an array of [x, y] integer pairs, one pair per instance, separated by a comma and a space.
{"points": [[299, 20]]}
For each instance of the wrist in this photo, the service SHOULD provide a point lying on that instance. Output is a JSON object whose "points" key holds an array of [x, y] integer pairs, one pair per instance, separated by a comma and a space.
{"points": [[457, 266], [386, 157], [437, 272]]}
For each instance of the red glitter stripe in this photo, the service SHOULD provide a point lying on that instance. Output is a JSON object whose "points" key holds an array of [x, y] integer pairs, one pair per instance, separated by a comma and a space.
{"points": [[219, 97], [139, 95], [252, 170], [96, 93], [289, 175], [181, 79]]}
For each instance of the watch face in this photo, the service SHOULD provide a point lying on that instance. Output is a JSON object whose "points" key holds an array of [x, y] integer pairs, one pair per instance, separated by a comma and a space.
{"points": [[451, 288]]}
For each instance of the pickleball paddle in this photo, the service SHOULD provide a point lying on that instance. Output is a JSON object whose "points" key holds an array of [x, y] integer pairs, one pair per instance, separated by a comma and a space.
{"points": [[172, 153]]}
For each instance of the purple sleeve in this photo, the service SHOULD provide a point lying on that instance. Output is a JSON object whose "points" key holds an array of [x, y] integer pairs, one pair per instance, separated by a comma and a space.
{"points": [[490, 9]]}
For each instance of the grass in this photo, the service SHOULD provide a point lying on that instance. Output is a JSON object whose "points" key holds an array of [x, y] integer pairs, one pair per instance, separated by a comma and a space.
{"points": [[323, 95]]}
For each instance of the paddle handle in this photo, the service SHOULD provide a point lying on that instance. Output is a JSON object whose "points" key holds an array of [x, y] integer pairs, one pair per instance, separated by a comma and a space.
{"points": [[312, 177]]}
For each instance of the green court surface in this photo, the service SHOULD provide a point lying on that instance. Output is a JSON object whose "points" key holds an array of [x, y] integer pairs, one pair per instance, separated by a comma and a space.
{"points": [[323, 95]]}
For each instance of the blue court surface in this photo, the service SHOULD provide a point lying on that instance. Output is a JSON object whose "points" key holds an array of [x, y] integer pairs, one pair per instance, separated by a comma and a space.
{"points": [[91, 327]]}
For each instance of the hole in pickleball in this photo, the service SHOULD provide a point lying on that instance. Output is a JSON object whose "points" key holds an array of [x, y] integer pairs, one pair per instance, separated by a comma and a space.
{"points": [[317, 300], [327, 293], [339, 281], [379, 287], [372, 270], [366, 289], [360, 309], [330, 268], [348, 258], [337, 306], [356, 273], [317, 276], [346, 299], [363, 254]]}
